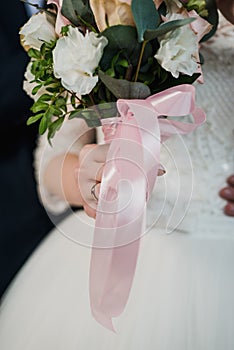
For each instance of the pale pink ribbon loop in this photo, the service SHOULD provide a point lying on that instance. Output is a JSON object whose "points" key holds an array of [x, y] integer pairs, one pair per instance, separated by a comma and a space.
{"points": [[128, 179]]}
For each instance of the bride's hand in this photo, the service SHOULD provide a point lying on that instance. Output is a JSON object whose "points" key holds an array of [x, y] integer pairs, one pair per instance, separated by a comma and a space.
{"points": [[227, 193], [92, 158]]}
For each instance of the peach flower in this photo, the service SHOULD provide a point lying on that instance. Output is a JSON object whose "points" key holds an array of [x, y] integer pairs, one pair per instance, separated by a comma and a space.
{"points": [[111, 12]]}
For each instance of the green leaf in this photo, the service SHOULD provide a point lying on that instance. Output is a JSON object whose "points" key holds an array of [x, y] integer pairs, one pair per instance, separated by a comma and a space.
{"points": [[90, 116], [54, 126], [166, 27], [71, 9], [122, 88], [33, 53], [34, 118], [43, 125], [73, 101], [60, 102], [44, 98], [49, 81], [145, 16], [122, 39], [36, 89], [43, 49], [39, 107]]}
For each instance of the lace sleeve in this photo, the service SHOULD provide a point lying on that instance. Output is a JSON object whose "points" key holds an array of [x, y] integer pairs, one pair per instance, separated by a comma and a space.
{"points": [[72, 136]]}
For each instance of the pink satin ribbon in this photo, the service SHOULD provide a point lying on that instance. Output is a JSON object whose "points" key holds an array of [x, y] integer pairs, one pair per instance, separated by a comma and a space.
{"points": [[128, 179]]}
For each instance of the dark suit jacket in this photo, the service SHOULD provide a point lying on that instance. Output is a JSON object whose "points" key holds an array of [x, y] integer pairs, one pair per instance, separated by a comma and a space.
{"points": [[23, 221]]}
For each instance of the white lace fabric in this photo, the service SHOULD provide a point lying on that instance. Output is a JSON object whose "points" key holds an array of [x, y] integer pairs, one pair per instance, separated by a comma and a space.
{"points": [[210, 148]]}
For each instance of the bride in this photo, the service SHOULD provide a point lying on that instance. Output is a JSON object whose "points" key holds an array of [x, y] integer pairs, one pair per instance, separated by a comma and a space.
{"points": [[182, 294]]}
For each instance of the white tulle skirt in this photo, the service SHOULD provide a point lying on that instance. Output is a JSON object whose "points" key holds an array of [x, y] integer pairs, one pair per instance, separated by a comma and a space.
{"points": [[182, 297]]}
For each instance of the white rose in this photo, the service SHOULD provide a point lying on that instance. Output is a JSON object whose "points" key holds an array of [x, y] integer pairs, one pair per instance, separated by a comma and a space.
{"points": [[37, 30], [178, 50], [75, 59]]}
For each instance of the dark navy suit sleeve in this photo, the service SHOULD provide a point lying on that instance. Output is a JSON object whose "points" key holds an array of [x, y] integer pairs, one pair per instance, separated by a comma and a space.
{"points": [[23, 220]]}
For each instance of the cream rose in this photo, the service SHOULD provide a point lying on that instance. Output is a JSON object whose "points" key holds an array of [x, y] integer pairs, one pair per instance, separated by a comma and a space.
{"points": [[178, 49], [75, 59], [37, 30]]}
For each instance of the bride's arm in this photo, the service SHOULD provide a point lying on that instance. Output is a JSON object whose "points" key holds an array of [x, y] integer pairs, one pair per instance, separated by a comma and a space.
{"points": [[54, 165], [67, 171]]}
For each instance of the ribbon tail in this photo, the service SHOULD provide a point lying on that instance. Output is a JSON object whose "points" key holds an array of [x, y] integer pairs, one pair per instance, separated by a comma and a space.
{"points": [[118, 281], [118, 226]]}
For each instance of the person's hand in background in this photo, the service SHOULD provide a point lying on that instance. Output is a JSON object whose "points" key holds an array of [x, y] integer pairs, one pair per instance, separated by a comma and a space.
{"points": [[227, 193]]}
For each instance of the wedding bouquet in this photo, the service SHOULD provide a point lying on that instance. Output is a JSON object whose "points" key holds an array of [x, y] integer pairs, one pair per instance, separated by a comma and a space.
{"points": [[126, 65], [92, 52]]}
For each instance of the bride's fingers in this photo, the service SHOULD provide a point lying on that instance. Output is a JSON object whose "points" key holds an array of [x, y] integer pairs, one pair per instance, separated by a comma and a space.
{"points": [[93, 153], [100, 153], [90, 205], [90, 210]]}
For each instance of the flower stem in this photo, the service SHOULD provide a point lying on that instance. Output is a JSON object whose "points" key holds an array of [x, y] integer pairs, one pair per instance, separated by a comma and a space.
{"points": [[140, 59]]}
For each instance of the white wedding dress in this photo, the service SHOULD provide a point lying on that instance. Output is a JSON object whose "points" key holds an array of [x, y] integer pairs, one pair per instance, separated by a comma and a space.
{"points": [[182, 296]]}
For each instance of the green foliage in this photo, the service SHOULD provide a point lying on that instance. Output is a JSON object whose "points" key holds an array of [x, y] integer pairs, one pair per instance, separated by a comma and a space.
{"points": [[198, 5], [145, 16], [51, 107], [78, 12], [166, 27], [128, 68], [122, 39], [94, 114], [121, 88]]}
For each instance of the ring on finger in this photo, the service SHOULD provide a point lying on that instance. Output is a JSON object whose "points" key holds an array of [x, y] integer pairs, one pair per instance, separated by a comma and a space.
{"points": [[92, 191]]}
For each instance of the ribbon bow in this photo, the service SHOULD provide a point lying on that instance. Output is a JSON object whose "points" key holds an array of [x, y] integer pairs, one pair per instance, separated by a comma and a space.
{"points": [[128, 179]]}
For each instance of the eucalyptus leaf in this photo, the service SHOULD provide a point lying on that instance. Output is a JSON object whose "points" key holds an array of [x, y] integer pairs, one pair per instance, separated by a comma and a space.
{"points": [[72, 9], [145, 16], [167, 27], [123, 39], [89, 115], [122, 88]]}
